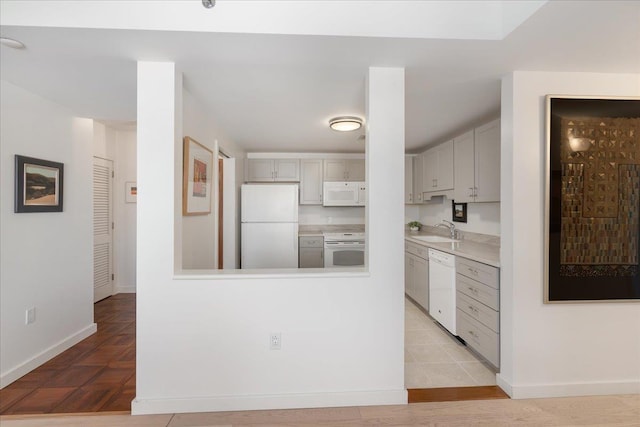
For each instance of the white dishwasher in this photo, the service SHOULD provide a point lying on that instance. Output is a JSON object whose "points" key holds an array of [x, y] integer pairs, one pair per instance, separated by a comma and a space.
{"points": [[442, 289]]}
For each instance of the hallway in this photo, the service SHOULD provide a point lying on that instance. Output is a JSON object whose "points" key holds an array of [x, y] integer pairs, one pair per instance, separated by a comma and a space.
{"points": [[97, 374]]}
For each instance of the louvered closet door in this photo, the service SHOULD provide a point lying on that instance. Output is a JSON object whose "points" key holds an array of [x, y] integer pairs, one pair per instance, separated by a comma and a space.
{"points": [[102, 229]]}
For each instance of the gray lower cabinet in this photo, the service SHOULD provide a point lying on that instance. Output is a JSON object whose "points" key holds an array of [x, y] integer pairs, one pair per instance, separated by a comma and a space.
{"points": [[311, 252], [416, 273], [478, 307]]}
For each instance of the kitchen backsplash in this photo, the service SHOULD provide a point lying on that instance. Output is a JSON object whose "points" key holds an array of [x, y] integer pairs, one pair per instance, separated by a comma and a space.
{"points": [[312, 214]]}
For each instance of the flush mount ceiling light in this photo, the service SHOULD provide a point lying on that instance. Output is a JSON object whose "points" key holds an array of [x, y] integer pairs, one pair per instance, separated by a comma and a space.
{"points": [[11, 43], [345, 123], [208, 3]]}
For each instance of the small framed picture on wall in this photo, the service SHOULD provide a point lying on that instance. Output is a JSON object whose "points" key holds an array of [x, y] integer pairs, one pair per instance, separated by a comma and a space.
{"points": [[131, 192], [38, 185], [459, 211]]}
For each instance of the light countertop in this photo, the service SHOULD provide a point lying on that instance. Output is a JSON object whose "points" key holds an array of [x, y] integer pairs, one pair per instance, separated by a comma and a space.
{"points": [[483, 252], [318, 229]]}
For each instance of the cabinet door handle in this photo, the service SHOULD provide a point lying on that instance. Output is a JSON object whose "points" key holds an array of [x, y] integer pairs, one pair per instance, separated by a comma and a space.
{"points": [[471, 192], [472, 290]]}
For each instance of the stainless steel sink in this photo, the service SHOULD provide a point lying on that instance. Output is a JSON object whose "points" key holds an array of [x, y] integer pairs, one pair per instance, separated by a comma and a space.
{"points": [[435, 239]]}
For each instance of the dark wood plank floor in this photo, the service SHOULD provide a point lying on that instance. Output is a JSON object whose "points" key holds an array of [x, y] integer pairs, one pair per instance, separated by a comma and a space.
{"points": [[452, 394], [97, 374]]}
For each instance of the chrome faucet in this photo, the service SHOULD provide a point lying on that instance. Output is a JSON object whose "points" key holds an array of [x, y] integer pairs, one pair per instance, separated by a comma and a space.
{"points": [[451, 226]]}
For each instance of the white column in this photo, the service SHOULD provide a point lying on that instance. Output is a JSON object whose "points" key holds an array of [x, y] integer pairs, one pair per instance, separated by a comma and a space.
{"points": [[159, 121], [385, 198]]}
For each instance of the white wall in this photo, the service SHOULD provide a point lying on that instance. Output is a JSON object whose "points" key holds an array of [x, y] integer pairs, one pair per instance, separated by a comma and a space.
{"points": [[124, 237], [46, 259], [199, 232], [203, 341], [482, 218], [553, 349], [119, 146], [104, 141]]}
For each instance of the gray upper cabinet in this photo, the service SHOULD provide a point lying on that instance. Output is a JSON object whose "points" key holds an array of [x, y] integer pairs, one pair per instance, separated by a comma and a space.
{"points": [[344, 170], [273, 170], [487, 162], [437, 170], [311, 181], [477, 164], [412, 179]]}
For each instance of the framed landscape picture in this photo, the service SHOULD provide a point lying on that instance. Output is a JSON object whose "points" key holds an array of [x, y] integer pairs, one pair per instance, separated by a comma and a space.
{"points": [[197, 178], [38, 185], [592, 210]]}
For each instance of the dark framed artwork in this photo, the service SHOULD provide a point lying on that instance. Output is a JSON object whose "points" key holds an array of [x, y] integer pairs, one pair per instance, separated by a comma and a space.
{"points": [[458, 211], [38, 185], [592, 210]]}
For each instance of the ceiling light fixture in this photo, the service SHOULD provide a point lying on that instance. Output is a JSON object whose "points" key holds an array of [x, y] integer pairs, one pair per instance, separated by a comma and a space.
{"points": [[208, 3], [12, 43], [345, 123]]}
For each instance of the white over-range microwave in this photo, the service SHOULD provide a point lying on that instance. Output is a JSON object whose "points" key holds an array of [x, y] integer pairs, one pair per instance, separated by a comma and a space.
{"points": [[341, 193]]}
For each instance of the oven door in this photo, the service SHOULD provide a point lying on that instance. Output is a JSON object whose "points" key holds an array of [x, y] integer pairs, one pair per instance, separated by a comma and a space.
{"points": [[344, 254]]}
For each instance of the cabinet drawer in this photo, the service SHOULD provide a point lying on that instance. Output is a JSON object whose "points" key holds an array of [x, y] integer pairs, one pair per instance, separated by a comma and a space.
{"points": [[311, 242], [477, 271], [478, 291], [479, 337], [478, 311], [418, 250]]}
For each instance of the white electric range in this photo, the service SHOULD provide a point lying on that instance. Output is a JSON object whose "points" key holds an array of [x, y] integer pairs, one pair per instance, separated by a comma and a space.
{"points": [[344, 249]]}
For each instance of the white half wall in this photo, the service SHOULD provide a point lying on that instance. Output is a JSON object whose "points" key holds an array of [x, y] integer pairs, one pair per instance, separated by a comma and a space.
{"points": [[203, 341], [553, 349], [46, 259]]}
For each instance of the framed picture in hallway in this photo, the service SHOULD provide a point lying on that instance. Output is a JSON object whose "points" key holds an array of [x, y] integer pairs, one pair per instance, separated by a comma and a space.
{"points": [[197, 178], [130, 192], [592, 209], [38, 185]]}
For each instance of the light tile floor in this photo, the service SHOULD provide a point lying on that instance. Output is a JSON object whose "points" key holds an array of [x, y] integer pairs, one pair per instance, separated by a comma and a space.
{"points": [[434, 358]]}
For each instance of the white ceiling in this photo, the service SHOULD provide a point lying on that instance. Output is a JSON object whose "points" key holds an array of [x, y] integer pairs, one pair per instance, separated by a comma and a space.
{"points": [[276, 92]]}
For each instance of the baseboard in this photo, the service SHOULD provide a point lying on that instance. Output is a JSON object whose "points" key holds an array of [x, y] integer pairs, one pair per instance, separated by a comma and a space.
{"points": [[569, 389], [287, 401], [124, 289], [10, 376], [504, 385]]}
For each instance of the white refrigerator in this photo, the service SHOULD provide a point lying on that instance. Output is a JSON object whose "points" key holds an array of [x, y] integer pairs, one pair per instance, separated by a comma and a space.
{"points": [[269, 233]]}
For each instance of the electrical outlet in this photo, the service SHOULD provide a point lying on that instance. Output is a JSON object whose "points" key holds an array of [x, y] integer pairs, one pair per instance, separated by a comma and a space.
{"points": [[275, 341], [30, 316]]}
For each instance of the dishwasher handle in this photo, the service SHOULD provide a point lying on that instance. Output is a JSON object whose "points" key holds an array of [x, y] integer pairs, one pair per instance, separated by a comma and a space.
{"points": [[442, 258]]}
